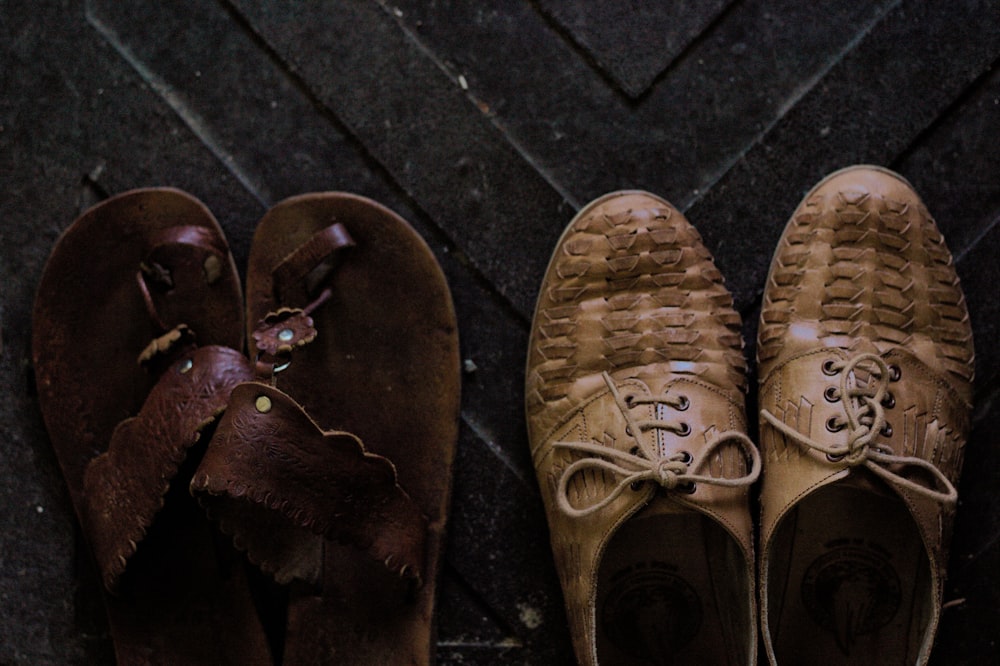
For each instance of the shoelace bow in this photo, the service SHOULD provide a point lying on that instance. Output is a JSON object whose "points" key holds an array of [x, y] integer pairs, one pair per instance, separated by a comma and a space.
{"points": [[680, 470], [865, 420]]}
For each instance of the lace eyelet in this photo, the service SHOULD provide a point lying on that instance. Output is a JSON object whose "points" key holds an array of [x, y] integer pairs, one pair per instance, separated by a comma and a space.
{"points": [[886, 430], [629, 401], [889, 401], [833, 425], [687, 488], [636, 485], [830, 367], [835, 458], [634, 451], [682, 403], [895, 373], [628, 431], [684, 430], [686, 457], [832, 394]]}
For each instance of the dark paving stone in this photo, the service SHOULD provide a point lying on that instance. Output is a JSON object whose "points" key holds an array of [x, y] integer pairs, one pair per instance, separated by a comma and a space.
{"points": [[236, 100], [968, 627], [466, 621], [498, 543], [420, 126], [449, 654], [632, 43], [954, 166], [852, 116], [979, 271], [742, 75]]}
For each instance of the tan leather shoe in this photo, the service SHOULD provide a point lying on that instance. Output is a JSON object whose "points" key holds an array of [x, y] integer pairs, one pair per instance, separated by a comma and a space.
{"points": [[866, 363], [635, 405]]}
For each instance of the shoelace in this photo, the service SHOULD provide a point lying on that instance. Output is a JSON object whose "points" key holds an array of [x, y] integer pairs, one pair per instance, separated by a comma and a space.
{"points": [[678, 471], [865, 420]]}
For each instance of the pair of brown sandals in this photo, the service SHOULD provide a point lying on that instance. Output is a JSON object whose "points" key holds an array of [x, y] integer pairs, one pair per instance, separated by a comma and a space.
{"points": [[325, 453]]}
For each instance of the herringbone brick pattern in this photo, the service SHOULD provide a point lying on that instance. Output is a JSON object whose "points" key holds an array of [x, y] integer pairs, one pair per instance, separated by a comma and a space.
{"points": [[487, 125]]}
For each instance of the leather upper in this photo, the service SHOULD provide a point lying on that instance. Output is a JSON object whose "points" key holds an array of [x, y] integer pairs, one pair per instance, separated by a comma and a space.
{"points": [[862, 274], [125, 487], [635, 369], [280, 485]]}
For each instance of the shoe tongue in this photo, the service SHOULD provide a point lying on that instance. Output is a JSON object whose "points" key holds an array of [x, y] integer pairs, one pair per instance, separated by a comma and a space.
{"points": [[661, 505], [693, 413], [861, 479]]}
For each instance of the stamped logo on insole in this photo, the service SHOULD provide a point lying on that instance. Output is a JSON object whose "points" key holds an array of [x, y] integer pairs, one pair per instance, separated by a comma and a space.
{"points": [[852, 590], [650, 610]]}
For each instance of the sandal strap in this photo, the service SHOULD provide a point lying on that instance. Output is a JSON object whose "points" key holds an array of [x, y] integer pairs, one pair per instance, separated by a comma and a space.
{"points": [[296, 279], [125, 487], [299, 263], [280, 485], [186, 249], [190, 234]]}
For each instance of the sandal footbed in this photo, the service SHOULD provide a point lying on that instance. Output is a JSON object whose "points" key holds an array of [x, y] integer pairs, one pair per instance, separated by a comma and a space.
{"points": [[384, 367]]}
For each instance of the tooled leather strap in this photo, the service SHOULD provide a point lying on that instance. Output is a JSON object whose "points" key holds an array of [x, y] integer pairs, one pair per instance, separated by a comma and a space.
{"points": [[280, 485], [125, 486], [295, 267]]}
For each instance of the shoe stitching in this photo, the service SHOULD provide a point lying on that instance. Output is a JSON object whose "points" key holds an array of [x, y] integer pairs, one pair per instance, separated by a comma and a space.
{"points": [[865, 420], [677, 472]]}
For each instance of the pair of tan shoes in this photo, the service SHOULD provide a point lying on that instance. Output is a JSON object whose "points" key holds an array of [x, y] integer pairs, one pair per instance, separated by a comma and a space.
{"points": [[635, 403]]}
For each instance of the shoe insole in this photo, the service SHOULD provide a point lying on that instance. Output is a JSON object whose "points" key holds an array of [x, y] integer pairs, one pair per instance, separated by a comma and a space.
{"points": [[672, 589], [848, 581]]}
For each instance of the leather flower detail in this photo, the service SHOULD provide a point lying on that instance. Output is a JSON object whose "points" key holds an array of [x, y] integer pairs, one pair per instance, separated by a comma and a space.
{"points": [[284, 330]]}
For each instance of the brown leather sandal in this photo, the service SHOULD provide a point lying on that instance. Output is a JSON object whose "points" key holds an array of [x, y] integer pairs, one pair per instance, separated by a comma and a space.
{"points": [[333, 470], [137, 317]]}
